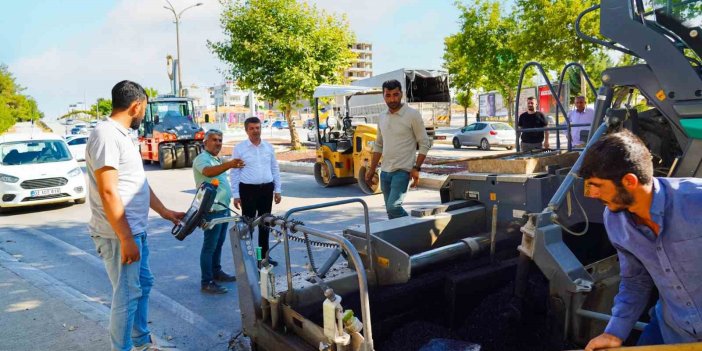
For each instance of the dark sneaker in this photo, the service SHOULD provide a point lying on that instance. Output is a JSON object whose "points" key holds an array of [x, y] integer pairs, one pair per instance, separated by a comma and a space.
{"points": [[224, 277], [213, 288]]}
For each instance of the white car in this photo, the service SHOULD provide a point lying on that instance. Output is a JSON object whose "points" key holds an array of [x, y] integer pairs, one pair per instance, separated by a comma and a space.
{"points": [[485, 135], [38, 169], [77, 146]]}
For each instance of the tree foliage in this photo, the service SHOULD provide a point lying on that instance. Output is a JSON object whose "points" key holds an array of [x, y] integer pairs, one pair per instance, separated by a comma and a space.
{"points": [[484, 53], [283, 49], [494, 43], [104, 106], [14, 106], [151, 93]]}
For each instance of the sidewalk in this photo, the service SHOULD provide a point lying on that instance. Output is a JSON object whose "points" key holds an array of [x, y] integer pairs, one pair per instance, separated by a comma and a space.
{"points": [[34, 315]]}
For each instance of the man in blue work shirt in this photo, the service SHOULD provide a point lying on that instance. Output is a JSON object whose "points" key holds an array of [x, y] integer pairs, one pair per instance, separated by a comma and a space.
{"points": [[208, 166], [654, 224]]}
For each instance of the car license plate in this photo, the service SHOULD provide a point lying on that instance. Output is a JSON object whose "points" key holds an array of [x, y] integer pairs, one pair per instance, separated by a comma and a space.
{"points": [[43, 192]]}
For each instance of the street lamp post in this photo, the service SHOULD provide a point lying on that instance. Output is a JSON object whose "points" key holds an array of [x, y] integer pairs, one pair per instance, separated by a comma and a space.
{"points": [[177, 16]]}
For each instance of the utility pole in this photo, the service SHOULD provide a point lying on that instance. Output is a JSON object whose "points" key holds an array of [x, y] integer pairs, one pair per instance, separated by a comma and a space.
{"points": [[177, 16]]}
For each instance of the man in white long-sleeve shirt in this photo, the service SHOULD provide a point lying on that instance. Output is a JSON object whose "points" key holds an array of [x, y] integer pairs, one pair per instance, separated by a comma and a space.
{"points": [[255, 186]]}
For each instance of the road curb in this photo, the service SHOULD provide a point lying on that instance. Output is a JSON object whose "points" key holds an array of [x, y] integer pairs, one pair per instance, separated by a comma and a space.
{"points": [[425, 181]]}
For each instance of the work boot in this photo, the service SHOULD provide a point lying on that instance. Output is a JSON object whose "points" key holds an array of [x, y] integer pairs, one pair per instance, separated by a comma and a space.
{"points": [[149, 346], [213, 288], [224, 277]]}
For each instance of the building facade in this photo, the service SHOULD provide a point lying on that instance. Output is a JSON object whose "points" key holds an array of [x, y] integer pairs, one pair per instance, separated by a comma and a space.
{"points": [[362, 67]]}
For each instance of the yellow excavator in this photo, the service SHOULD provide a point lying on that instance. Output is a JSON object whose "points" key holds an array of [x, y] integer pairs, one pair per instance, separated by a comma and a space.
{"points": [[344, 146]]}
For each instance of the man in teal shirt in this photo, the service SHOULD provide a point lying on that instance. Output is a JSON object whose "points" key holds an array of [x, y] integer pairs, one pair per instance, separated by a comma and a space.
{"points": [[206, 167]]}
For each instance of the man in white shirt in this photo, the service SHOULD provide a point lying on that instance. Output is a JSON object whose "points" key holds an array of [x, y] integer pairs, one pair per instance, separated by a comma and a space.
{"points": [[257, 184], [581, 115]]}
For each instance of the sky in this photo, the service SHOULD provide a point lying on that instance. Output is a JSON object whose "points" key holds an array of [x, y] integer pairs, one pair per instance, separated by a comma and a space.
{"points": [[69, 51]]}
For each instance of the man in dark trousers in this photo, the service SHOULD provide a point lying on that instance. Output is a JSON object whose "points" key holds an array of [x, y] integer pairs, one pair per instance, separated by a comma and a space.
{"points": [[533, 119], [257, 184]]}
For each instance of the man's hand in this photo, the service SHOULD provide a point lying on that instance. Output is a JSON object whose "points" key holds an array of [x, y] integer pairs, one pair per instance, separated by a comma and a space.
{"points": [[237, 203], [370, 173], [129, 251], [235, 163], [602, 341], [414, 175], [277, 198], [173, 216], [546, 145]]}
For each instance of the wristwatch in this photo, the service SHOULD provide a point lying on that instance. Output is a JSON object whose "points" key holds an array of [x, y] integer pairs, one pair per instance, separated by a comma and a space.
{"points": [[417, 168]]}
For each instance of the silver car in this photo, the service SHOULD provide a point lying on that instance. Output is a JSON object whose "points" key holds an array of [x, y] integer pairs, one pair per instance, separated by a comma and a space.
{"points": [[485, 135]]}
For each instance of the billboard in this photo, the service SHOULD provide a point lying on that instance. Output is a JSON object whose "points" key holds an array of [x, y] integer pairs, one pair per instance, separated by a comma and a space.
{"points": [[547, 102], [491, 105]]}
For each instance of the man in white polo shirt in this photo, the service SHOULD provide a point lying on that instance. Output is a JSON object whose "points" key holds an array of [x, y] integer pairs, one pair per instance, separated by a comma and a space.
{"points": [[120, 198], [257, 185]]}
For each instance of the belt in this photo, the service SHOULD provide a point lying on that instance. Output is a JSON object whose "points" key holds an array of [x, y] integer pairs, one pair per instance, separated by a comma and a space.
{"points": [[257, 185]]}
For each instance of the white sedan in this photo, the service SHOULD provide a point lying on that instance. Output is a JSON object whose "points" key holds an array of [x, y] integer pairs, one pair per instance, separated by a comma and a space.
{"points": [[38, 169], [485, 135], [77, 146]]}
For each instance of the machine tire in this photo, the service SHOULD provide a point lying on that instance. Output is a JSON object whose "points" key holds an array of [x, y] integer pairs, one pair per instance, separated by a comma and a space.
{"points": [[324, 174], [362, 183], [191, 151], [484, 144], [456, 143], [510, 147], [180, 160], [79, 201], [166, 156]]}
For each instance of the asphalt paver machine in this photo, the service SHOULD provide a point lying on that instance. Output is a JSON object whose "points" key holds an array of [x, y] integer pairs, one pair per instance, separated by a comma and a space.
{"points": [[506, 261]]}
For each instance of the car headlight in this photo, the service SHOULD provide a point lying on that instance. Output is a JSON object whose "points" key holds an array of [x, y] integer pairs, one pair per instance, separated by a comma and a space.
{"points": [[75, 172], [8, 178]]}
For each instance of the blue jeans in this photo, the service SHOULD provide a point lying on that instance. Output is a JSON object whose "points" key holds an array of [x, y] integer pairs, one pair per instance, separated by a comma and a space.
{"points": [[211, 253], [131, 285], [394, 186]]}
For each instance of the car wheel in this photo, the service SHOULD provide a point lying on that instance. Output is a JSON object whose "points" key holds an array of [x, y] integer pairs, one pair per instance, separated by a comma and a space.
{"points": [[484, 144], [79, 201], [509, 147], [456, 143]]}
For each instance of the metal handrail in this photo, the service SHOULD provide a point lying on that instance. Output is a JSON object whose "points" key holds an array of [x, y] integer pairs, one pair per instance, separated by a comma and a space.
{"points": [[346, 246], [517, 130]]}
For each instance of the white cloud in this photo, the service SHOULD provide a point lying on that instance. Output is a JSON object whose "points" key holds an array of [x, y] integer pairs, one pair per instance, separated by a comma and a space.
{"points": [[137, 35], [132, 44]]}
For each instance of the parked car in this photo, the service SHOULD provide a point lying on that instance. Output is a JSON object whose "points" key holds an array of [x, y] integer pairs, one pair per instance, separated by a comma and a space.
{"points": [[77, 146], [38, 169], [280, 124], [93, 124], [79, 130], [485, 135], [69, 121], [266, 123]]}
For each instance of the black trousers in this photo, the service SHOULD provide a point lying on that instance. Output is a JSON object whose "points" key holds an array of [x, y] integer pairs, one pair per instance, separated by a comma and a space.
{"points": [[257, 200]]}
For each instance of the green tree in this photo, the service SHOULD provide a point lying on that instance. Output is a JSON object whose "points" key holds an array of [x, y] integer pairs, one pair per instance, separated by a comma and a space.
{"points": [[283, 49], [150, 92], [484, 53], [463, 98], [104, 106], [14, 106], [547, 34]]}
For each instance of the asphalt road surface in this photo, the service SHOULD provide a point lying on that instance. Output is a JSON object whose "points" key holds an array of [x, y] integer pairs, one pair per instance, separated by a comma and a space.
{"points": [[53, 241]]}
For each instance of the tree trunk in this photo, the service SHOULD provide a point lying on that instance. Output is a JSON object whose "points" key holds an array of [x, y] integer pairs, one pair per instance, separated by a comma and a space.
{"points": [[465, 116], [294, 138], [583, 85]]}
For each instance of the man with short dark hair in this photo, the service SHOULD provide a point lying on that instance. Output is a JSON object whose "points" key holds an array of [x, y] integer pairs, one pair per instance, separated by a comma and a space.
{"points": [[580, 115], [257, 184], [400, 132], [206, 167], [654, 224], [532, 119], [120, 198]]}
